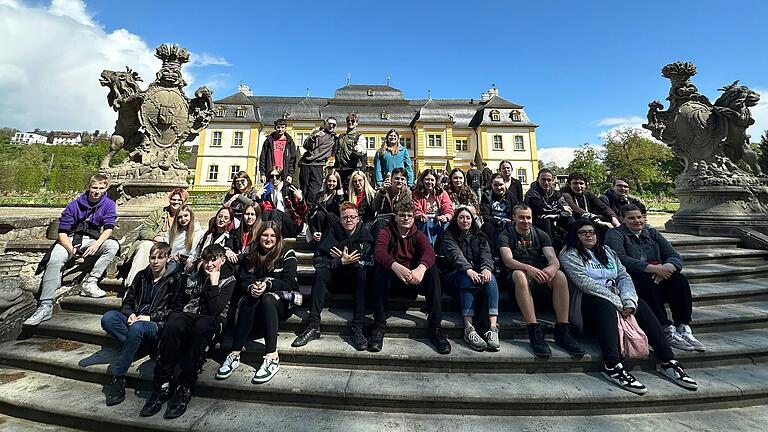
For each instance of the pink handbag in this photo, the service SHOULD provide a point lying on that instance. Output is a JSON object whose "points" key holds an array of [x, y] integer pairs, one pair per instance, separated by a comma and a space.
{"points": [[632, 340]]}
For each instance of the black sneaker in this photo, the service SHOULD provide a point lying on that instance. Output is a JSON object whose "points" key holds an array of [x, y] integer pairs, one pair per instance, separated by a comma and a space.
{"points": [[177, 406], [564, 339], [359, 342], [675, 372], [376, 341], [310, 333], [538, 344], [115, 391], [619, 376], [156, 400], [438, 339]]}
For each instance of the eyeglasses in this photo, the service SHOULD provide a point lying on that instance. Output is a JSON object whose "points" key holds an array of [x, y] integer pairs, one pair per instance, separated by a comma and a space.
{"points": [[587, 233], [241, 181], [405, 216], [351, 217], [350, 121]]}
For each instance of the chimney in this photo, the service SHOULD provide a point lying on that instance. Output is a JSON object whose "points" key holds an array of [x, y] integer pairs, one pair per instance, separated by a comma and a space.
{"points": [[244, 89], [485, 97]]}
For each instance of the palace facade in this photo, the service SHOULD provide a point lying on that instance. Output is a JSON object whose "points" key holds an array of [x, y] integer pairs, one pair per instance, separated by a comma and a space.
{"points": [[435, 131]]}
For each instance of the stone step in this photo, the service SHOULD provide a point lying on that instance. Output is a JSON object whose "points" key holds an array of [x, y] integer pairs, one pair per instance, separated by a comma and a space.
{"points": [[85, 410], [13, 424], [718, 255], [684, 242], [720, 272], [332, 350], [729, 292], [435, 392]]}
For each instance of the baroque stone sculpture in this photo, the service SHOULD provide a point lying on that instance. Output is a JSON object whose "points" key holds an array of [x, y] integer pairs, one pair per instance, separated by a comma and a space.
{"points": [[152, 125], [722, 188]]}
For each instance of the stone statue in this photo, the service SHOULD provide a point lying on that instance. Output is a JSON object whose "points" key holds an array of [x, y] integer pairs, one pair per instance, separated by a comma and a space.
{"points": [[697, 130], [722, 190], [151, 126]]}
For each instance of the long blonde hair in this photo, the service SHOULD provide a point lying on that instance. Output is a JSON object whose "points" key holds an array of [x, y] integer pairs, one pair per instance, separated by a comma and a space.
{"points": [[367, 189], [189, 230]]}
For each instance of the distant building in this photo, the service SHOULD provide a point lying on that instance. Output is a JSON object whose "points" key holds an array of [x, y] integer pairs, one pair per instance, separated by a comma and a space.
{"points": [[64, 138], [28, 138], [435, 131]]}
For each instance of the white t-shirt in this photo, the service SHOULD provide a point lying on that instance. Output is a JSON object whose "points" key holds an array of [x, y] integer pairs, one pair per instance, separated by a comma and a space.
{"points": [[604, 275]]}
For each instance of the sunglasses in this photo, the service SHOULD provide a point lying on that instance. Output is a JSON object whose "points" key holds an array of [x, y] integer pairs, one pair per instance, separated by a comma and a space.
{"points": [[331, 125], [275, 176]]}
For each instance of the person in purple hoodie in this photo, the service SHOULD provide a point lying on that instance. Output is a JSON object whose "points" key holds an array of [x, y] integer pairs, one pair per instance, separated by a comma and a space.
{"points": [[85, 227]]}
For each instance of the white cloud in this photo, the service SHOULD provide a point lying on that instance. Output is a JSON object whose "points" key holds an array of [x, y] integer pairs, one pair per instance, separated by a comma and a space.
{"points": [[51, 81], [562, 156], [621, 121]]}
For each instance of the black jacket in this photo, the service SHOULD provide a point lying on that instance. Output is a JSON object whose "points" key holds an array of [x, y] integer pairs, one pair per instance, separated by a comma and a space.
{"points": [[267, 161], [586, 205], [486, 200], [615, 203], [169, 286], [543, 203], [281, 278], [467, 251], [202, 298], [475, 179], [360, 240]]}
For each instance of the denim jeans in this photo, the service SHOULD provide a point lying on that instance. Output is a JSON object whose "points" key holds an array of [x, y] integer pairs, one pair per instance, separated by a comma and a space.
{"points": [[431, 228], [130, 337], [467, 290]]}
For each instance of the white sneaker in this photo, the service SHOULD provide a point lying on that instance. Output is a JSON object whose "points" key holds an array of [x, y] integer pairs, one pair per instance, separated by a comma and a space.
{"points": [[44, 312], [230, 364], [619, 376], [685, 332], [91, 289], [675, 340], [267, 370], [675, 372]]}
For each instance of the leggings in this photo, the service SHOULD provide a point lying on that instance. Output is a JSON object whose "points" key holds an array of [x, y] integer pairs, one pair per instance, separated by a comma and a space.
{"points": [[269, 310], [600, 319]]}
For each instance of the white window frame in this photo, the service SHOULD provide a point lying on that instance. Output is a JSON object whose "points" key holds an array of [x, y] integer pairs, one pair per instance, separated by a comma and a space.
{"points": [[213, 172], [522, 175], [216, 138], [240, 112], [233, 170], [495, 115], [220, 112], [235, 137], [519, 139], [435, 140], [500, 142], [406, 142], [515, 116], [370, 143], [461, 144]]}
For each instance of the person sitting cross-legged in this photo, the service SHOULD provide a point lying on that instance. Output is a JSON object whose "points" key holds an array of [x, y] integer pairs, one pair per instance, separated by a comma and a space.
{"points": [[343, 256], [528, 254], [405, 260], [146, 306], [200, 312], [85, 228]]}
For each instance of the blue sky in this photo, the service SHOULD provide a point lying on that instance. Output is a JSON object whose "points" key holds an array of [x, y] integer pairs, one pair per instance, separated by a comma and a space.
{"points": [[579, 68]]}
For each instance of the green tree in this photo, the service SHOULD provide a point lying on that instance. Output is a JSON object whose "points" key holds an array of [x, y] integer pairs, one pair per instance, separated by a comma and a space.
{"points": [[587, 160], [763, 152], [630, 154], [6, 134]]}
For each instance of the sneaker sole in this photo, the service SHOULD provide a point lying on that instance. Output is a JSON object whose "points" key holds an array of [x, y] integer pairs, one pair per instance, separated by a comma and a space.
{"points": [[629, 389], [83, 294], [224, 376], [255, 380], [36, 323], [683, 348]]}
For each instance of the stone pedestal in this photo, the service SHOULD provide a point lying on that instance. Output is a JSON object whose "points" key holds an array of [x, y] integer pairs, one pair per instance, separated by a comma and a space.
{"points": [[738, 209]]}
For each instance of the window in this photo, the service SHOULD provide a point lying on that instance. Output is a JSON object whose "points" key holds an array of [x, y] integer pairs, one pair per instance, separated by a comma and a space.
{"points": [[495, 116], [213, 172], [240, 112], [300, 138], [498, 142], [216, 139], [384, 115], [522, 175], [238, 141], [434, 140], [221, 112], [519, 143], [233, 170], [405, 142], [461, 144], [515, 115], [370, 142]]}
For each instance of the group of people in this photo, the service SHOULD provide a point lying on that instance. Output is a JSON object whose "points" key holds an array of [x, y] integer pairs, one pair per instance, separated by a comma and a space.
{"points": [[593, 258]]}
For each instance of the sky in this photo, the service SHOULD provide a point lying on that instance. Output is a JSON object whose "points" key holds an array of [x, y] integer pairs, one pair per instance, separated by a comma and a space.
{"points": [[580, 69]]}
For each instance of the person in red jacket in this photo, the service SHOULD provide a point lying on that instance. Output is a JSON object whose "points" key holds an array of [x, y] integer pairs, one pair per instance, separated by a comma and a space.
{"points": [[405, 260]]}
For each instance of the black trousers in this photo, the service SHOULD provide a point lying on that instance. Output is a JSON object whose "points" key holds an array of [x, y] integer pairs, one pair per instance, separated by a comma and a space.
{"points": [[491, 233], [556, 229], [338, 278], [384, 280], [269, 310], [185, 340], [345, 174], [674, 291], [322, 220], [601, 321], [310, 182], [288, 227]]}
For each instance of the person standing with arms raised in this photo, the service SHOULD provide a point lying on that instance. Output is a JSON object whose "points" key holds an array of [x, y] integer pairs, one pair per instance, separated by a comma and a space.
{"points": [[317, 149], [349, 152]]}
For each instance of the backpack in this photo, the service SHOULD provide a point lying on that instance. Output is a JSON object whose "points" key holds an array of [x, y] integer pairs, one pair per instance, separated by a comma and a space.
{"points": [[632, 340]]}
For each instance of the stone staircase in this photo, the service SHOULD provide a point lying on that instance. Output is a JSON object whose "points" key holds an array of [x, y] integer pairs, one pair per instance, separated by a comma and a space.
{"points": [[55, 374]]}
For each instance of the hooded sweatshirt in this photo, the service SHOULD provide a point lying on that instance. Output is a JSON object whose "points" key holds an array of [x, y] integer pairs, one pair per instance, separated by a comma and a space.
{"points": [[360, 240], [616, 203], [409, 250], [586, 205], [96, 216], [544, 202]]}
